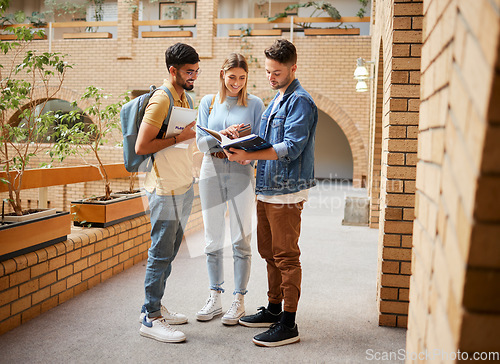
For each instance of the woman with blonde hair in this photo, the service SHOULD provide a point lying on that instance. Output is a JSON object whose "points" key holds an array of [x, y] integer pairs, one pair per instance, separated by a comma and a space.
{"points": [[227, 185]]}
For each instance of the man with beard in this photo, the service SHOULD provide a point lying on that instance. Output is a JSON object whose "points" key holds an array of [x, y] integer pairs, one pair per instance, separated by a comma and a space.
{"points": [[285, 172], [169, 189]]}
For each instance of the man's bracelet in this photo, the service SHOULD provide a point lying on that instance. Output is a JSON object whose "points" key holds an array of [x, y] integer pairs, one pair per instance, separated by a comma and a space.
{"points": [[175, 139]]}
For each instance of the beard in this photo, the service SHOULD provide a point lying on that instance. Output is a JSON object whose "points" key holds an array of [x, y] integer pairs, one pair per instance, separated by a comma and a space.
{"points": [[183, 83], [280, 85]]}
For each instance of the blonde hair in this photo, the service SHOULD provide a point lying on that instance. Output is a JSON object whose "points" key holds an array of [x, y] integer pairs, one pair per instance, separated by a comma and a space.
{"points": [[234, 60]]}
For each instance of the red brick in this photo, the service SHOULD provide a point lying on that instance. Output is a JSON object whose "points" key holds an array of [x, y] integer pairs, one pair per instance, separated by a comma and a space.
{"points": [[10, 323], [28, 287], [40, 295], [50, 303], [30, 313], [19, 277], [387, 320], [48, 279], [39, 269], [394, 307], [64, 272], [9, 296], [20, 305], [66, 295]]}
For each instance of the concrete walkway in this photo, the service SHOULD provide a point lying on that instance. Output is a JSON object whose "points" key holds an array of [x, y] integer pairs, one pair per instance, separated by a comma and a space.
{"points": [[337, 315]]}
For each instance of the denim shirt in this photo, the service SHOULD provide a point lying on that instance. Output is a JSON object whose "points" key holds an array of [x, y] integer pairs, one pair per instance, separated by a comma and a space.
{"points": [[291, 130]]}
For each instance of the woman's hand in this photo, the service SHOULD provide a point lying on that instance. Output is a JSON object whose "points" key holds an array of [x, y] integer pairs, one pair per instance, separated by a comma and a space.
{"points": [[232, 131]]}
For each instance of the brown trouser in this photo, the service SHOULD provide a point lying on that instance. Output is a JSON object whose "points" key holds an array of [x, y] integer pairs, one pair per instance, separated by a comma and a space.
{"points": [[278, 231]]}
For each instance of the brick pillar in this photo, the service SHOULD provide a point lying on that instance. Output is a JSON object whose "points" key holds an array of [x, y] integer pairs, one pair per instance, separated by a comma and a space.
{"points": [[128, 12], [399, 159], [375, 159], [206, 29]]}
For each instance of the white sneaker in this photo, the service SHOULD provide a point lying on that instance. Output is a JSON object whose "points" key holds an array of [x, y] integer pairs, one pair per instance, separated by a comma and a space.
{"points": [[158, 329], [236, 311], [212, 308], [172, 318]]}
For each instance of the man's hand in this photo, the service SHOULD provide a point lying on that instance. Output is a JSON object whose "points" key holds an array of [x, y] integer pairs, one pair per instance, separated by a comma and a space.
{"points": [[187, 133], [236, 155]]}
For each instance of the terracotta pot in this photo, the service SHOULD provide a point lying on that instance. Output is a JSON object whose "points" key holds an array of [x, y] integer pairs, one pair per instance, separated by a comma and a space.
{"points": [[27, 236]]}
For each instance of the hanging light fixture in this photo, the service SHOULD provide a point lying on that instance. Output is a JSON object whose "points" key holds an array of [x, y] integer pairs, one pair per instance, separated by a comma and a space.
{"points": [[362, 74], [361, 86]]}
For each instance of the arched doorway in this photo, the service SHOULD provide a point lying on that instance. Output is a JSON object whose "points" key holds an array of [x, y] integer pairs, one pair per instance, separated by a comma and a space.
{"points": [[332, 156]]}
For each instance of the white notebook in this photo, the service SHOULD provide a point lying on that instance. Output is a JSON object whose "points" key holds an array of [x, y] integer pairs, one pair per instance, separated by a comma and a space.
{"points": [[179, 118]]}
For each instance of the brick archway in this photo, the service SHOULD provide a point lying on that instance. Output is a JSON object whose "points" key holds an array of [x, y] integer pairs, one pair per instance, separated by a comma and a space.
{"points": [[350, 130], [40, 93], [359, 157]]}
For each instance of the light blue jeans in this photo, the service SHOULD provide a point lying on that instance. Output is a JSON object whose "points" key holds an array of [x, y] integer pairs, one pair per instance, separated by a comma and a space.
{"points": [[223, 185], [169, 216]]}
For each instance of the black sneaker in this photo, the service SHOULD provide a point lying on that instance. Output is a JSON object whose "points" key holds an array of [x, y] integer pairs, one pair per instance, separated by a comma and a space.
{"points": [[263, 318], [277, 335]]}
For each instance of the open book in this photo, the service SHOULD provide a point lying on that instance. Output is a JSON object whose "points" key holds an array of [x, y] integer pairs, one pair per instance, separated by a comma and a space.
{"points": [[179, 118], [249, 143]]}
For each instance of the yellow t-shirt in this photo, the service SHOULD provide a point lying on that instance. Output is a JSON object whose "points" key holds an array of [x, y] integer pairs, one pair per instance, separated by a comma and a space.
{"points": [[172, 169]]}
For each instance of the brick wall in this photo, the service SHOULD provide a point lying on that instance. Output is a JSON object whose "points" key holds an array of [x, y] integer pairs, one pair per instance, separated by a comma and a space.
{"points": [[325, 68], [36, 282], [455, 286], [397, 38]]}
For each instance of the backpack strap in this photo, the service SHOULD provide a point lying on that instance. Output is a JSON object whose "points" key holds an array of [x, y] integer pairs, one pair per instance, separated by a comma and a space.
{"points": [[211, 104], [164, 126]]}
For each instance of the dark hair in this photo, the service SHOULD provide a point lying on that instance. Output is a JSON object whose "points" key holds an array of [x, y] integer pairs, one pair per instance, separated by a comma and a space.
{"points": [[180, 54], [234, 60], [283, 52]]}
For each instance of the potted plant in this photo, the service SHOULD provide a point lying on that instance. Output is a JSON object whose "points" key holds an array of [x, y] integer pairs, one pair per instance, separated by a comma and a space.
{"points": [[18, 19], [76, 136], [321, 7], [24, 133]]}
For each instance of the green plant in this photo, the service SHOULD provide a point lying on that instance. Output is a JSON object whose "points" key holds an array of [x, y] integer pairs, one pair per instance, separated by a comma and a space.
{"points": [[98, 13], [58, 9], [362, 10], [28, 82], [74, 137], [319, 7], [176, 11], [19, 17]]}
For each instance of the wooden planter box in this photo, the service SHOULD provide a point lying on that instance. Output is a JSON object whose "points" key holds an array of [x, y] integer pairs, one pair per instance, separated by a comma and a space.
{"points": [[176, 34], [88, 35], [256, 32], [27, 236], [14, 37], [104, 214], [326, 31]]}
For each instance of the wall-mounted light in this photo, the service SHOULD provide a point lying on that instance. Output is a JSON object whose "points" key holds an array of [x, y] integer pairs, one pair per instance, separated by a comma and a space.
{"points": [[362, 74]]}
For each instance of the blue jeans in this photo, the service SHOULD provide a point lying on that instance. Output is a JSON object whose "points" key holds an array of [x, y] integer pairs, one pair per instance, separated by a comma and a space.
{"points": [[169, 216], [224, 185]]}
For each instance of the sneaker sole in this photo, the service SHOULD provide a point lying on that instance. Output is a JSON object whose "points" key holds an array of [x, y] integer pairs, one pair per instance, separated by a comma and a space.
{"points": [[232, 321], [163, 340], [276, 343], [209, 317], [255, 324], [170, 322]]}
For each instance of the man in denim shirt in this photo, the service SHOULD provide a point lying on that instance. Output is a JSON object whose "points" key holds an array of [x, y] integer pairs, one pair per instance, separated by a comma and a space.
{"points": [[285, 172]]}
